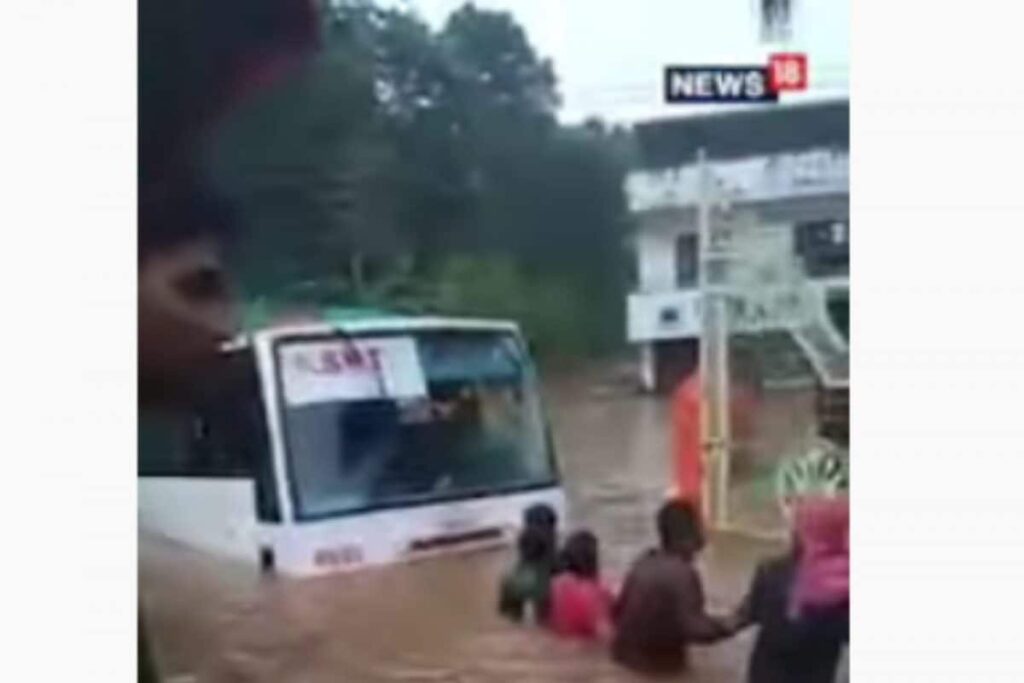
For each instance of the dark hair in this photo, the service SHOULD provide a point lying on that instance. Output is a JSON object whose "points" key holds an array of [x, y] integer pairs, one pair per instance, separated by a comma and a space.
{"points": [[196, 59], [540, 516], [580, 555], [534, 546], [679, 527], [178, 211]]}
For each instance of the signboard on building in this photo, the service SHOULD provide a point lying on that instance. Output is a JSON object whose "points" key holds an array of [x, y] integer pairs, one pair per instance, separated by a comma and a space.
{"points": [[821, 170]]}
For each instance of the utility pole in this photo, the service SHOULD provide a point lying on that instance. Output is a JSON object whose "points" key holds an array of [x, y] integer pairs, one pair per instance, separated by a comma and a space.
{"points": [[714, 349]]}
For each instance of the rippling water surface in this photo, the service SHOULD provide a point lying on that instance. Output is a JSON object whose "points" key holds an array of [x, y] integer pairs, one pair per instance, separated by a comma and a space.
{"points": [[434, 620]]}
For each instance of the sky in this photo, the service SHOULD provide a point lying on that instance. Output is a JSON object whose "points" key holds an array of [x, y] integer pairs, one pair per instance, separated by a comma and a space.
{"points": [[609, 55]]}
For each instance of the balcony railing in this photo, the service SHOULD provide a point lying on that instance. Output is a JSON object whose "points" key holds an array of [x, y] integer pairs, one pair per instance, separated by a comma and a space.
{"points": [[676, 314], [758, 179]]}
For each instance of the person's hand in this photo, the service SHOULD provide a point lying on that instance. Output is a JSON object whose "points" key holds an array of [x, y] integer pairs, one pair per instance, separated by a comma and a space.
{"points": [[733, 623]]}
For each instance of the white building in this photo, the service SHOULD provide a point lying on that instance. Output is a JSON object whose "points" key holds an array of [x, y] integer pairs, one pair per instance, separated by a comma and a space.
{"points": [[785, 169]]}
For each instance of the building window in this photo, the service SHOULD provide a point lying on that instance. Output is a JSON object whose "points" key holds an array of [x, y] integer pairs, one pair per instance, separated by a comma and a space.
{"points": [[776, 20], [824, 247], [687, 261]]}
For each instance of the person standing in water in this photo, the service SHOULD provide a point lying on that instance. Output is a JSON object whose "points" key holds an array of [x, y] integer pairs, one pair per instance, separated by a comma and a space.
{"points": [[660, 610], [688, 438], [580, 603], [544, 519], [801, 600], [524, 594], [687, 448], [524, 591]]}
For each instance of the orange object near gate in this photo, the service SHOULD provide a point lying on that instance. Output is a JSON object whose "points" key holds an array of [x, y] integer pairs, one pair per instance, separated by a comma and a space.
{"points": [[687, 454], [687, 439]]}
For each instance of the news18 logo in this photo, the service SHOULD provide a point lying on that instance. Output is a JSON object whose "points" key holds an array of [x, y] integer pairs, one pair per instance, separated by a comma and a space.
{"points": [[785, 72]]}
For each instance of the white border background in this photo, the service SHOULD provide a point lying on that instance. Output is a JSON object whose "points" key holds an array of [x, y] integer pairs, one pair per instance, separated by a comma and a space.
{"points": [[938, 115], [938, 357], [67, 355]]}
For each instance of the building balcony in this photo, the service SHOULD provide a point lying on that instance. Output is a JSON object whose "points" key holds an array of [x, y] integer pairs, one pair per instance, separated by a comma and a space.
{"points": [[676, 313], [754, 180], [672, 314]]}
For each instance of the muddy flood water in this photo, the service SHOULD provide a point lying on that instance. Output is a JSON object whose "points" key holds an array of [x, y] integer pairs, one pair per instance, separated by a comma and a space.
{"points": [[435, 620]]}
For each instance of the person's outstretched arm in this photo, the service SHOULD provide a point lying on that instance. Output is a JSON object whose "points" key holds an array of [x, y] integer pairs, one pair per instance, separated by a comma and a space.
{"points": [[745, 614], [700, 627], [619, 599], [605, 618]]}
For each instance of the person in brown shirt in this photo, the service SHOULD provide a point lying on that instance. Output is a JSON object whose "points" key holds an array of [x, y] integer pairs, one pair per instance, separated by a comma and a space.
{"points": [[660, 609]]}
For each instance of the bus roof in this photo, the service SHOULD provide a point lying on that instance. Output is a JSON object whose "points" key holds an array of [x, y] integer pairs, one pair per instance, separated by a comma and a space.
{"points": [[261, 322]]}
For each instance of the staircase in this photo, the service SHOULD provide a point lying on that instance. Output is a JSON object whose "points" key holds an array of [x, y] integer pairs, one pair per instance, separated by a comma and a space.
{"points": [[827, 353], [824, 346], [780, 361]]}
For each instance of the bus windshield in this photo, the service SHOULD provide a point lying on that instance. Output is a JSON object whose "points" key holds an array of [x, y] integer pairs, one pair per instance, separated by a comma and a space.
{"points": [[437, 416]]}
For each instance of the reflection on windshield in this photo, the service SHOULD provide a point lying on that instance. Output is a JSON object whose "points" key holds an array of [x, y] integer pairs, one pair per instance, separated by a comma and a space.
{"points": [[478, 429]]}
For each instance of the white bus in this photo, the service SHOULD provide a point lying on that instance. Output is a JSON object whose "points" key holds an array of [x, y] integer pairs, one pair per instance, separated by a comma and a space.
{"points": [[355, 441]]}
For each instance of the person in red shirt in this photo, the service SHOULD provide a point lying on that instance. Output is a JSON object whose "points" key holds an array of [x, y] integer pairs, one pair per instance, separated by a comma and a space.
{"points": [[688, 456], [580, 603], [687, 437]]}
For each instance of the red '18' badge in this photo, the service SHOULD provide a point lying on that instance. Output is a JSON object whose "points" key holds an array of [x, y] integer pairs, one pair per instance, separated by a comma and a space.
{"points": [[787, 71]]}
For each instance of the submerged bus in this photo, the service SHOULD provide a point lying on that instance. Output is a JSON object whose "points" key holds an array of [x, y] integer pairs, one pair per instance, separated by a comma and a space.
{"points": [[354, 440]]}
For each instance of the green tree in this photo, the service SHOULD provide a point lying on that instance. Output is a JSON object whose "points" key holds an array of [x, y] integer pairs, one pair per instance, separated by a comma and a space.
{"points": [[426, 170]]}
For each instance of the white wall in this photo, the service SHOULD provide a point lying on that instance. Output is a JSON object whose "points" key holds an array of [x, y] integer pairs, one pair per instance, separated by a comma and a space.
{"points": [[772, 277], [772, 307], [648, 379], [644, 315], [656, 254]]}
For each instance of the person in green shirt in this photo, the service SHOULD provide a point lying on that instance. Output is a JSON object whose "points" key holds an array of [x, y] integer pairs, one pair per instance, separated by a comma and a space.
{"points": [[525, 588], [524, 594]]}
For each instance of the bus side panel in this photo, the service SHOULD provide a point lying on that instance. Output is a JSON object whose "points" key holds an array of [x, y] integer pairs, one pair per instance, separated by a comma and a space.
{"points": [[385, 537], [215, 515]]}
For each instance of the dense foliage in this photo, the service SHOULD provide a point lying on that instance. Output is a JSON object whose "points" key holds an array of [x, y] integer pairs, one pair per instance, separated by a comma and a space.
{"points": [[426, 170]]}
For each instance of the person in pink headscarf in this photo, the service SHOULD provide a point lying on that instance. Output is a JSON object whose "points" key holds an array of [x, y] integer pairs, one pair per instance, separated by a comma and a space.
{"points": [[822, 529], [801, 600]]}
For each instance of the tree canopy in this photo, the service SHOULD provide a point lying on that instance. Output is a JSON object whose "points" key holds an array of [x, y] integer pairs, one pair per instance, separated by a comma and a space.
{"points": [[426, 170]]}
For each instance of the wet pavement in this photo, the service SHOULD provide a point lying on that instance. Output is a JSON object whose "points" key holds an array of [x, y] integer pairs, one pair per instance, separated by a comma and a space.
{"points": [[435, 620]]}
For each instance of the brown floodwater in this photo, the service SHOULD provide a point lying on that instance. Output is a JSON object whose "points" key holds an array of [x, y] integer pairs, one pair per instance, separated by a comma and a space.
{"points": [[435, 620]]}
